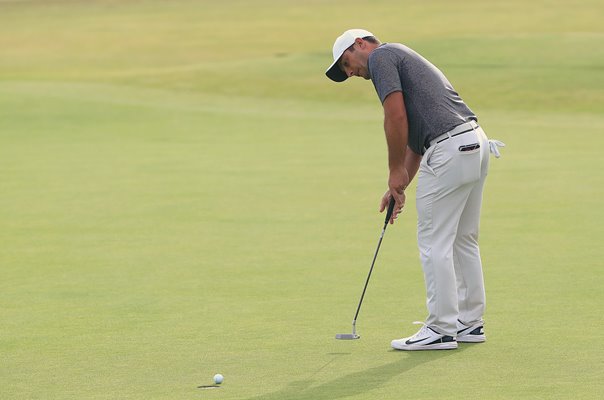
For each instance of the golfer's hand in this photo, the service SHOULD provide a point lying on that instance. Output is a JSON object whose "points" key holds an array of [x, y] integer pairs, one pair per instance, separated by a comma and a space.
{"points": [[386, 201], [397, 183]]}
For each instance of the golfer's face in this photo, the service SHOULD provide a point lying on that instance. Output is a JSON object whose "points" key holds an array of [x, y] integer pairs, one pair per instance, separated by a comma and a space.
{"points": [[354, 63]]}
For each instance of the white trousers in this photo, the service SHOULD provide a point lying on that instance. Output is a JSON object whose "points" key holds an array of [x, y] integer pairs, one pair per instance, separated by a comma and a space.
{"points": [[449, 198]]}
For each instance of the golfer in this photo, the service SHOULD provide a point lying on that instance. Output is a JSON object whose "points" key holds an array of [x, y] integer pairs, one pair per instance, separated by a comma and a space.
{"points": [[429, 128]]}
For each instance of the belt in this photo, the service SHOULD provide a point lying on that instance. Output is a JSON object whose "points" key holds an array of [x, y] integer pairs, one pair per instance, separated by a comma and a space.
{"points": [[458, 130]]}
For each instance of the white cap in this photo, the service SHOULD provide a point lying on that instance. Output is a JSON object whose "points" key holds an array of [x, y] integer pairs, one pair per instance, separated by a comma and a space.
{"points": [[339, 47]]}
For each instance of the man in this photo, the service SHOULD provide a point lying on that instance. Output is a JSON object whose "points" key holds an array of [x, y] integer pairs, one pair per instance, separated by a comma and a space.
{"points": [[429, 128]]}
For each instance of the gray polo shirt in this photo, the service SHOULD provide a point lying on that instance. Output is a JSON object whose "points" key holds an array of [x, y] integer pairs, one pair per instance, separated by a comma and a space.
{"points": [[433, 106]]}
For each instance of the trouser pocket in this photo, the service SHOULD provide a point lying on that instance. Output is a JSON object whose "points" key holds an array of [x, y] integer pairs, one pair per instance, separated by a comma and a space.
{"points": [[468, 148], [424, 166], [469, 163], [463, 159]]}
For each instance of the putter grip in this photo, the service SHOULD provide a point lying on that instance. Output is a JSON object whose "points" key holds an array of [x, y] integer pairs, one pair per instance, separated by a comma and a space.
{"points": [[390, 210]]}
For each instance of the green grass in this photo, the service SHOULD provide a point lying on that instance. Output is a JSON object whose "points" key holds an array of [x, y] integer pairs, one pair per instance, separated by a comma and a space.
{"points": [[185, 193]]}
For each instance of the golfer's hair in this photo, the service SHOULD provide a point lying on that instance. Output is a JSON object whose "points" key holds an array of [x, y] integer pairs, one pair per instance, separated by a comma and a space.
{"points": [[370, 39]]}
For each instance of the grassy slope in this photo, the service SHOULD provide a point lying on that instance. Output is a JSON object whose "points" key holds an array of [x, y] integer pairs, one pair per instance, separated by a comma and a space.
{"points": [[184, 193]]}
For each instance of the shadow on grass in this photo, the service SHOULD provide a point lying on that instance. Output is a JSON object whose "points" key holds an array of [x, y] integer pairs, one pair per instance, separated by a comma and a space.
{"points": [[357, 382]]}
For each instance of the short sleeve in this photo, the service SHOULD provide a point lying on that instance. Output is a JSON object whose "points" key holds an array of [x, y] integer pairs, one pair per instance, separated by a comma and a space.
{"points": [[384, 72]]}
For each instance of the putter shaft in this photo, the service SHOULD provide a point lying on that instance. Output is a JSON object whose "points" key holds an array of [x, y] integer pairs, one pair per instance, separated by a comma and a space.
{"points": [[356, 315]]}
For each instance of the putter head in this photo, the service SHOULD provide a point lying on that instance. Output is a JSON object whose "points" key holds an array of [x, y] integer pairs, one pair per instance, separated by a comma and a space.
{"points": [[347, 336]]}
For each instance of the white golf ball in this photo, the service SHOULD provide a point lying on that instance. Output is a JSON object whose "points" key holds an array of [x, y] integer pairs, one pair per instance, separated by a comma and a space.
{"points": [[218, 379]]}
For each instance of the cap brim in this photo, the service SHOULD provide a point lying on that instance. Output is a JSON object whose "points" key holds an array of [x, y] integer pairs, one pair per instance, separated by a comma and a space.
{"points": [[335, 73]]}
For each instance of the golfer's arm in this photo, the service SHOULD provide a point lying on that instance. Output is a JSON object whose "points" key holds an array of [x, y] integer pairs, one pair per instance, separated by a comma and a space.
{"points": [[397, 130], [412, 161]]}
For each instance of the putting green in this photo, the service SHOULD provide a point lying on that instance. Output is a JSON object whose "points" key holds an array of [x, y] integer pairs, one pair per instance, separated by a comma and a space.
{"points": [[184, 193]]}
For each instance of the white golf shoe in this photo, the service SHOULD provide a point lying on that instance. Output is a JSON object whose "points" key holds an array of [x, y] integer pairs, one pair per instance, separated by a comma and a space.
{"points": [[425, 339], [470, 333]]}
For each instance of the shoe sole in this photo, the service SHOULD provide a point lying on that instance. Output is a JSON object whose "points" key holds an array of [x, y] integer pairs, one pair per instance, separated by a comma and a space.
{"points": [[472, 339], [438, 346]]}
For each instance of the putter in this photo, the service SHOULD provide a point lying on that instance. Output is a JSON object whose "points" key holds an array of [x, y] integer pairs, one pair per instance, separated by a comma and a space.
{"points": [[353, 335]]}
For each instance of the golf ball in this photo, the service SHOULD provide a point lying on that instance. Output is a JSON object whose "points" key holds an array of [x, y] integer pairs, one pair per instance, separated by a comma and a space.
{"points": [[218, 379]]}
